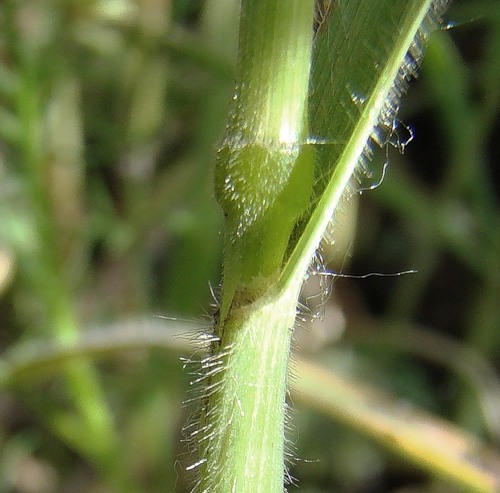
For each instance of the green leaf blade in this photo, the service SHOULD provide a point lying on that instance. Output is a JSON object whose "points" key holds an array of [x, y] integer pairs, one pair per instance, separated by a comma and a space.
{"points": [[364, 54]]}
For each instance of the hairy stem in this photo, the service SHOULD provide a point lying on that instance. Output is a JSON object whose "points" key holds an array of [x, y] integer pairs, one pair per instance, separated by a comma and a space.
{"points": [[264, 178], [244, 420]]}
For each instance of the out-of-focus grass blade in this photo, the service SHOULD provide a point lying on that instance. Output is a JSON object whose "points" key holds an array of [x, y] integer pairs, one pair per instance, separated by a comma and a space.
{"points": [[423, 439]]}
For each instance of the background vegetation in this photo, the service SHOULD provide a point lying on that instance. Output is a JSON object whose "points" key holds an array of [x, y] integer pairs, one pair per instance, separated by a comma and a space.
{"points": [[110, 113]]}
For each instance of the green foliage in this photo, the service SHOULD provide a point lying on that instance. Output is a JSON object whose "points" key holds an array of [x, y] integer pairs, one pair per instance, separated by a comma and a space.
{"points": [[110, 114]]}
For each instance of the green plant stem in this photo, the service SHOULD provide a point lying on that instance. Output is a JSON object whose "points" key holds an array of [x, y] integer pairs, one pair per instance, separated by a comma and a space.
{"points": [[247, 410], [264, 176], [264, 180]]}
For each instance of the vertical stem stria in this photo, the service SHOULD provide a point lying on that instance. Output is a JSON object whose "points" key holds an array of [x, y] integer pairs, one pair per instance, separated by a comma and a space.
{"points": [[243, 443], [263, 182]]}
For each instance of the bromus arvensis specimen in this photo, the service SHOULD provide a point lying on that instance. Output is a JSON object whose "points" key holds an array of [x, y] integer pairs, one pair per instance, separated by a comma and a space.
{"points": [[313, 95], [108, 117]]}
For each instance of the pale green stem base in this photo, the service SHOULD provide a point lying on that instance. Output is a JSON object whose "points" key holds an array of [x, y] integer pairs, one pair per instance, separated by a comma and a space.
{"points": [[243, 432]]}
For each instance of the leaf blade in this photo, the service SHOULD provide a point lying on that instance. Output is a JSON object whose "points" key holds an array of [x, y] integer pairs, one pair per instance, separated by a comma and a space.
{"points": [[358, 100]]}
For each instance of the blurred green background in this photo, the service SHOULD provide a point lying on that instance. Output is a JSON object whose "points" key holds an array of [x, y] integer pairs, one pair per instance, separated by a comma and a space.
{"points": [[110, 114]]}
